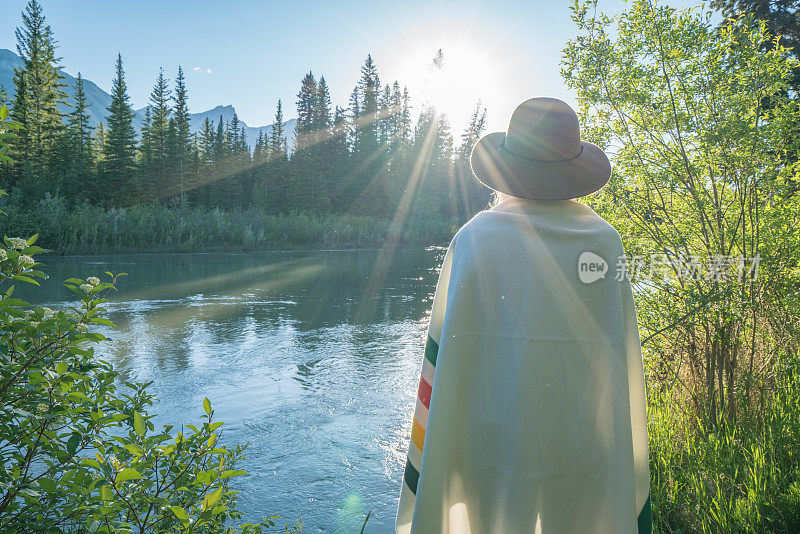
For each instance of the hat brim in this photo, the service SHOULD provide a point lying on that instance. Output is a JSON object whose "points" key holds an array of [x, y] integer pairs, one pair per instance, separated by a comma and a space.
{"points": [[498, 169]]}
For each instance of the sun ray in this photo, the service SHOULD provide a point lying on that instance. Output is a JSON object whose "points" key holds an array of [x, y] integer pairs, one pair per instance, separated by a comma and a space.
{"points": [[386, 254]]}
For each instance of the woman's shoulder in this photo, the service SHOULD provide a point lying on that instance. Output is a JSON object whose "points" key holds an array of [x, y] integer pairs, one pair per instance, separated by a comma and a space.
{"points": [[492, 224], [478, 223]]}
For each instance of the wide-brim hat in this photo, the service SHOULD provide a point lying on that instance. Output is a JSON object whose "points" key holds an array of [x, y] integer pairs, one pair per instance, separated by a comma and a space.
{"points": [[541, 156]]}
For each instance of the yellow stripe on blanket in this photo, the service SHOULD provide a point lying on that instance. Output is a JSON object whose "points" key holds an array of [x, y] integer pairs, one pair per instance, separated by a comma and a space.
{"points": [[417, 434]]}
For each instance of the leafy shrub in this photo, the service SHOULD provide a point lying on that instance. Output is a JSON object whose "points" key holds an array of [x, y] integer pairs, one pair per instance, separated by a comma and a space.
{"points": [[78, 450]]}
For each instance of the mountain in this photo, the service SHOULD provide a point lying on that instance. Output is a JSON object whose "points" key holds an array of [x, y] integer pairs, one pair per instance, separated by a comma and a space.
{"points": [[99, 101], [226, 112]]}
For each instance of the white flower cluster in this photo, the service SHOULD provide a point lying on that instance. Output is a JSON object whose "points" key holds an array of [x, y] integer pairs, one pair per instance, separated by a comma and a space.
{"points": [[25, 261], [3, 254], [17, 243], [87, 288], [93, 280], [80, 327]]}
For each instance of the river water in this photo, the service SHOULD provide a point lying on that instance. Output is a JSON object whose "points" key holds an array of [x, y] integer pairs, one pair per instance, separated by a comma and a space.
{"points": [[311, 357]]}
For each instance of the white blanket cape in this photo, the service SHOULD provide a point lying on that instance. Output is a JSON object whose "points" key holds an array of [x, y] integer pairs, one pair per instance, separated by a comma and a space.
{"points": [[531, 409]]}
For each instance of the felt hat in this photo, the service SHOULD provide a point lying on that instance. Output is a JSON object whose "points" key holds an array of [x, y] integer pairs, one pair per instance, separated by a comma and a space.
{"points": [[541, 156]]}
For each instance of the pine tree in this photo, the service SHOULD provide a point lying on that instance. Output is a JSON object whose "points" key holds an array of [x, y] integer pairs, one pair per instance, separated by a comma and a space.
{"points": [[159, 100], [366, 180], [306, 100], [405, 117], [80, 144], [207, 138], [20, 145], [322, 106], [216, 185], [233, 136], [119, 149], [171, 185], [369, 87], [244, 148], [182, 145], [99, 142], [473, 195], [277, 138], [220, 153], [477, 123], [384, 117], [320, 158], [234, 161], [338, 155], [302, 180], [39, 93], [259, 149], [146, 146], [206, 141], [273, 180], [355, 118], [395, 109]]}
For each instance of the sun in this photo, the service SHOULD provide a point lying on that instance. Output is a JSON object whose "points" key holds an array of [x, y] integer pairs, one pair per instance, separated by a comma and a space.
{"points": [[452, 76]]}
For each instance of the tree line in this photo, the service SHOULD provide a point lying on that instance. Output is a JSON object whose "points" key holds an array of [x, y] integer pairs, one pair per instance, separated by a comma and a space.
{"points": [[368, 158]]}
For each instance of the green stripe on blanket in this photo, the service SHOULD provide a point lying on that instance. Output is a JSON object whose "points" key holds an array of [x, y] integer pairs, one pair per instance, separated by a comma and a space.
{"points": [[645, 519], [431, 350], [411, 476]]}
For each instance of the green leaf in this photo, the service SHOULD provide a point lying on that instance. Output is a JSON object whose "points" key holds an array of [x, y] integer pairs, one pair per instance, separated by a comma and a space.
{"points": [[91, 463], [13, 302], [207, 405], [138, 423], [48, 484], [61, 367], [211, 499], [25, 279], [73, 442], [134, 449], [128, 474], [232, 473], [181, 514], [103, 321]]}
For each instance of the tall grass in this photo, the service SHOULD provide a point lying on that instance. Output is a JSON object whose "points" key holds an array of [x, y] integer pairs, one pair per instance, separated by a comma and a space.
{"points": [[154, 227], [742, 477]]}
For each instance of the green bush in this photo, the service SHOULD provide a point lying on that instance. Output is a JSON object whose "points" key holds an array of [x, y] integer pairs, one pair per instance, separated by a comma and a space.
{"points": [[78, 450]]}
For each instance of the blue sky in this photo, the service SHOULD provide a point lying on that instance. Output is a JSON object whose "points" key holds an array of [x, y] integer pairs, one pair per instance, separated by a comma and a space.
{"points": [[249, 53]]}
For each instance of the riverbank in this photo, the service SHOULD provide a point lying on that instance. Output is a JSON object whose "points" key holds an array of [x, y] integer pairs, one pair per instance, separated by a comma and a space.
{"points": [[157, 228]]}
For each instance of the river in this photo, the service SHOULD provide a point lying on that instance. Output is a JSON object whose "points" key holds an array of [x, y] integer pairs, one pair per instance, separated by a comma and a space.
{"points": [[310, 356]]}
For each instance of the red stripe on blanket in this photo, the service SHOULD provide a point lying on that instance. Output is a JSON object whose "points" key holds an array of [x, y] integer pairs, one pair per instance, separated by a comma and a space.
{"points": [[424, 392]]}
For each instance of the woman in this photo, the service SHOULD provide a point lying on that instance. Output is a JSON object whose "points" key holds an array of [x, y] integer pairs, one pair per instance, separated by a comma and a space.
{"points": [[530, 414]]}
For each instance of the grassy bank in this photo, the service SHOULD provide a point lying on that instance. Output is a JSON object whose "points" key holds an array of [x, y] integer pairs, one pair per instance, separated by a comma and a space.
{"points": [[743, 476], [156, 228]]}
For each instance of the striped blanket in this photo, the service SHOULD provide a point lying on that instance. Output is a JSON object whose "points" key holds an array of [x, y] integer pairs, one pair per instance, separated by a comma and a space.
{"points": [[531, 413]]}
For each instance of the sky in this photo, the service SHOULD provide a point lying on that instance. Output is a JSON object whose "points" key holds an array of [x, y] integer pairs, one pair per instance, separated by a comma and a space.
{"points": [[251, 53]]}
